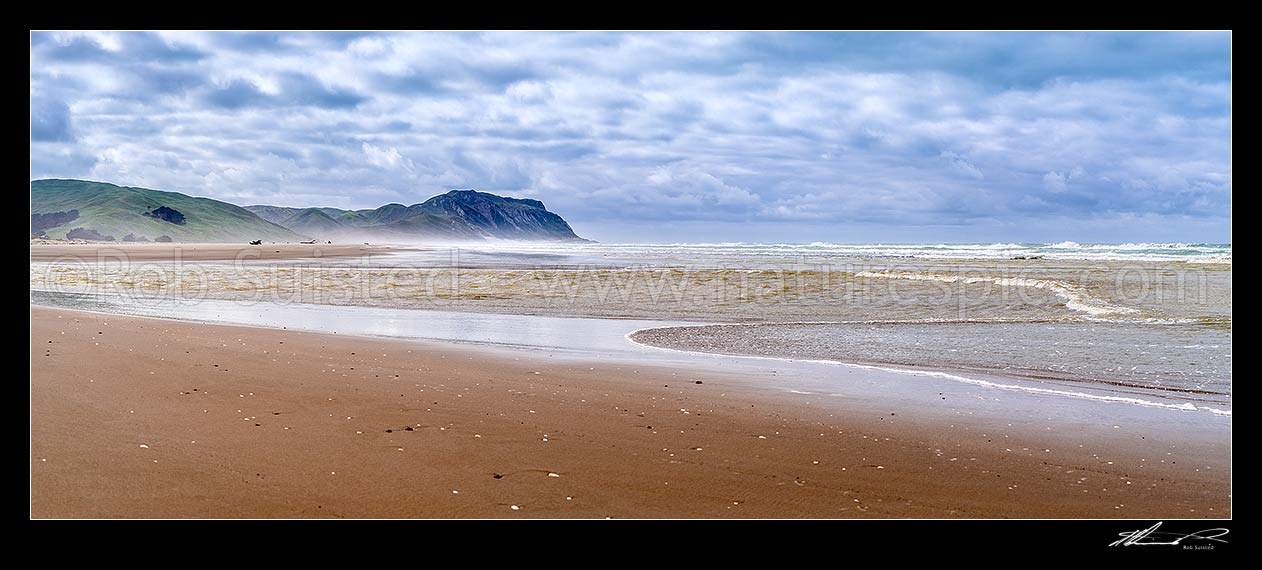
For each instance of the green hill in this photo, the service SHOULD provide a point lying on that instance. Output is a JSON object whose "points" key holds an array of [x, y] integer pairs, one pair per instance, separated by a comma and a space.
{"points": [[62, 209], [457, 215], [108, 211], [278, 214], [313, 222], [499, 216], [273, 214], [387, 214]]}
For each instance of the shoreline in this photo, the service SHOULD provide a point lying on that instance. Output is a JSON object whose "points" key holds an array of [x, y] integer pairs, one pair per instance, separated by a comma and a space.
{"points": [[561, 285], [175, 252], [993, 379], [703, 463], [591, 336]]}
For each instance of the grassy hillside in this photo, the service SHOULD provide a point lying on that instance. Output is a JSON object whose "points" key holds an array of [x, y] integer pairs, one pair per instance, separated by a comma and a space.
{"points": [[429, 226], [117, 211], [278, 214], [273, 214], [387, 214], [313, 222]]}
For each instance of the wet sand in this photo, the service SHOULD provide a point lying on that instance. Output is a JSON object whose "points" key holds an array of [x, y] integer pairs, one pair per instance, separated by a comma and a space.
{"points": [[197, 251], [135, 417], [445, 278]]}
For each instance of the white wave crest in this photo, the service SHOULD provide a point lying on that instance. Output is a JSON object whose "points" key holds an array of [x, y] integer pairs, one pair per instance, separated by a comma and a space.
{"points": [[1074, 298]]}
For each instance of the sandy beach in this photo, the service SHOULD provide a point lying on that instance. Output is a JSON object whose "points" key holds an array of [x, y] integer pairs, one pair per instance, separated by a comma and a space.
{"points": [[863, 277], [136, 417], [135, 252]]}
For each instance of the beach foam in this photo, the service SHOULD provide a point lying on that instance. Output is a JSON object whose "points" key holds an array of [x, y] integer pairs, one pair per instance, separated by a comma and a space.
{"points": [[1065, 250], [1074, 298]]}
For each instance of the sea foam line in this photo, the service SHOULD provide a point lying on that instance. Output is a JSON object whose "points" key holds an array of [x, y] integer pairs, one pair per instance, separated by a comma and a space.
{"points": [[1185, 407], [1074, 299]]}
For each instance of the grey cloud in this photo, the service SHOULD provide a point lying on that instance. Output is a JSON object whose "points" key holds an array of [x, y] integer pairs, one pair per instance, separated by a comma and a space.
{"points": [[58, 161], [75, 49], [396, 126], [1008, 59], [133, 47], [962, 165], [253, 41], [301, 89], [159, 80], [148, 46], [296, 89], [411, 83], [236, 94], [50, 121], [818, 130]]}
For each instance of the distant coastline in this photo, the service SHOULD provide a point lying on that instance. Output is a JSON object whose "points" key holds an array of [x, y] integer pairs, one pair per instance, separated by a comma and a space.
{"points": [[102, 212]]}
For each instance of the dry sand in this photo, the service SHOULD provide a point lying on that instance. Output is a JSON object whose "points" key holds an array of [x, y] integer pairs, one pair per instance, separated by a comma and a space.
{"points": [[94, 252], [134, 417]]}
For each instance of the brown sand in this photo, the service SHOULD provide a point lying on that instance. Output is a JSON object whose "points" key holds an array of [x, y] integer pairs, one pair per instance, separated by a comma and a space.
{"points": [[134, 417], [197, 251]]}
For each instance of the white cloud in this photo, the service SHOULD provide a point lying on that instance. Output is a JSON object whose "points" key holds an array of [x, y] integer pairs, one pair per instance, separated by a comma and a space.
{"points": [[1055, 182], [388, 158], [529, 91], [369, 47], [699, 186], [656, 126]]}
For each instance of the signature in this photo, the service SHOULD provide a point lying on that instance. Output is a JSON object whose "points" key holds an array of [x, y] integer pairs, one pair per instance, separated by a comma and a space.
{"points": [[1150, 536]]}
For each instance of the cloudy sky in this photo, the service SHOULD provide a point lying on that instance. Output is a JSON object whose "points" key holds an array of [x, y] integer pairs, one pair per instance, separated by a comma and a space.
{"points": [[719, 136]]}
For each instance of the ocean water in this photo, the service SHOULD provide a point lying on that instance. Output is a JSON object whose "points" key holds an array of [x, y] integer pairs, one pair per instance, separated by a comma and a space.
{"points": [[1146, 319], [816, 251], [505, 255], [1141, 319]]}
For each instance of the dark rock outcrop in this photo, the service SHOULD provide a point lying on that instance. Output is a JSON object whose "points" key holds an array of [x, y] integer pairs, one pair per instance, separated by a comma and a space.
{"points": [[499, 216], [92, 235], [167, 215], [163, 239], [461, 215], [41, 222]]}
